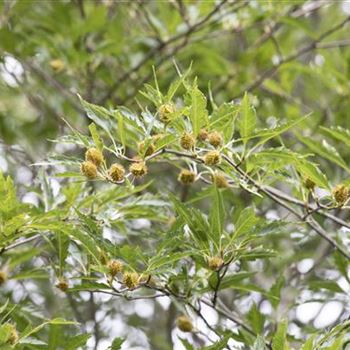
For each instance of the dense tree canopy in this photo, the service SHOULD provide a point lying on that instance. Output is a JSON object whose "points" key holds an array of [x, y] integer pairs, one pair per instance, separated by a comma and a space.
{"points": [[174, 174]]}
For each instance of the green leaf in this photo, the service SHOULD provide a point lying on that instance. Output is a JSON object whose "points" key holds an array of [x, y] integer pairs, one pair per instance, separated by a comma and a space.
{"points": [[246, 221], [174, 86], [256, 319], [325, 150], [121, 129], [217, 215], [259, 344], [77, 341], [279, 341], [96, 137], [338, 133], [223, 119], [55, 321], [195, 221], [100, 115], [247, 120], [309, 344], [231, 281], [117, 343], [198, 111], [311, 171], [332, 286], [220, 345]]}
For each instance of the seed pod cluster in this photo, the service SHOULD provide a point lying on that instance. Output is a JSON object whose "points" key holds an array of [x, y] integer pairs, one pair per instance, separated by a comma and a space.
{"points": [[309, 184], [212, 158], [95, 156], [341, 194], [93, 159], [13, 336], [215, 263], [62, 284], [3, 277], [114, 267], [131, 279], [150, 148], [138, 169], [202, 135], [116, 172], [220, 180], [187, 176], [57, 65], [165, 112], [215, 139], [184, 324], [187, 141], [89, 169]]}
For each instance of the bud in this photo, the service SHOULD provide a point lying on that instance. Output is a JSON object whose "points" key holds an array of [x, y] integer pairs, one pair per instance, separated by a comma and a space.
{"points": [[309, 184], [62, 284], [114, 267], [202, 135], [165, 111], [215, 139], [220, 180], [171, 221], [138, 169], [187, 141], [212, 158], [131, 279], [95, 156], [341, 194], [215, 263], [103, 257], [88, 169], [186, 176], [3, 277], [57, 65], [157, 137], [116, 172], [184, 324], [13, 336], [150, 148]]}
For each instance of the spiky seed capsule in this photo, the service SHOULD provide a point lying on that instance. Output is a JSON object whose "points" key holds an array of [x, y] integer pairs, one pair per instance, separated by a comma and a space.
{"points": [[215, 263], [150, 148], [187, 176], [131, 279], [13, 337], [341, 194], [95, 156], [309, 184], [202, 135], [57, 65], [88, 169], [114, 267], [116, 172], [138, 169], [165, 111], [62, 285], [3, 277], [187, 141], [215, 138], [184, 324], [220, 180], [212, 158]]}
